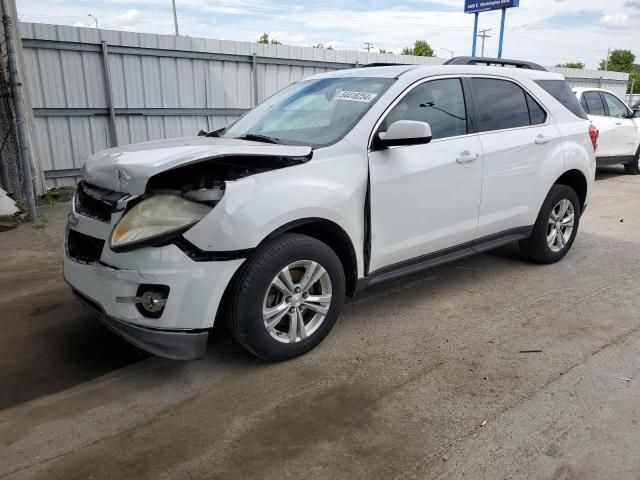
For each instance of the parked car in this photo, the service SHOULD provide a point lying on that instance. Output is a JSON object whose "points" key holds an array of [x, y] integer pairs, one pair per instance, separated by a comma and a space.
{"points": [[339, 182], [619, 127]]}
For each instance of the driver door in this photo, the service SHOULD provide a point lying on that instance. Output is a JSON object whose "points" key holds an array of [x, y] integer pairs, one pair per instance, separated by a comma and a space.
{"points": [[426, 198], [625, 138]]}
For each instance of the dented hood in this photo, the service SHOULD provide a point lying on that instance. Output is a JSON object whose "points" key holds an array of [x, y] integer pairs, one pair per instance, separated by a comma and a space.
{"points": [[129, 168]]}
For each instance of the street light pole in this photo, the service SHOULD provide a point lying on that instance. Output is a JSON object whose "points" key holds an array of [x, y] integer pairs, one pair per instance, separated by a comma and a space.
{"points": [[95, 20], [175, 18]]}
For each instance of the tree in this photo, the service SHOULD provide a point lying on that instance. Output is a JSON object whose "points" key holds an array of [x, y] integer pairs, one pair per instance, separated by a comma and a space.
{"points": [[635, 76], [320, 45], [579, 65], [264, 38], [619, 61], [382, 50], [421, 48]]}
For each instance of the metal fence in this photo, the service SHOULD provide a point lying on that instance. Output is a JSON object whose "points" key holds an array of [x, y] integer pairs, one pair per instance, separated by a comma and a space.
{"points": [[91, 89], [11, 178]]}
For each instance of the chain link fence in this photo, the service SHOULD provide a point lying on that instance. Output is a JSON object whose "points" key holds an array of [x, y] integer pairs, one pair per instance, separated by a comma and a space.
{"points": [[11, 175]]}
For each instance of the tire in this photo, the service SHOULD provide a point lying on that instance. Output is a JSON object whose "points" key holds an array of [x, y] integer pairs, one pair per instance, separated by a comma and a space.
{"points": [[633, 168], [255, 293], [537, 247]]}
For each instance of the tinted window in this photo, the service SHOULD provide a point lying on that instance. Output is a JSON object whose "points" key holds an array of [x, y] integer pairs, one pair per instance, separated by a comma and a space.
{"points": [[560, 90], [502, 104], [440, 103], [594, 103], [583, 104], [537, 115], [616, 107]]}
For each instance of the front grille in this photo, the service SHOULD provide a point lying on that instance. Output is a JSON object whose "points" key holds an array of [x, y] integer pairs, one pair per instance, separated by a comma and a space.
{"points": [[83, 248], [96, 202]]}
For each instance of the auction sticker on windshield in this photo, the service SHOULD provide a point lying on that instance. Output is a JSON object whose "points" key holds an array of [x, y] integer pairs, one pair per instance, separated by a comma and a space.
{"points": [[353, 96]]}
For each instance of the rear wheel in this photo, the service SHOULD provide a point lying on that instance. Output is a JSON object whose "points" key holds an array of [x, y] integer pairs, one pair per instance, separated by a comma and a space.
{"points": [[634, 167], [287, 297], [556, 227]]}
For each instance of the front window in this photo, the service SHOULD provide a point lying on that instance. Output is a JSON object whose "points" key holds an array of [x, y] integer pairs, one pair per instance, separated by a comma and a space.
{"points": [[616, 108], [311, 112], [440, 103]]}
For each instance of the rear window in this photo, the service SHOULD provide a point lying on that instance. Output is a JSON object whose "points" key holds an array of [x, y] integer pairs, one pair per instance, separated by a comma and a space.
{"points": [[594, 103], [560, 90], [503, 105]]}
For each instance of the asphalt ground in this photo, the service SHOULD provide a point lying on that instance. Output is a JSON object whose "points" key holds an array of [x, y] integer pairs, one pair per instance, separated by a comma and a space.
{"points": [[420, 378]]}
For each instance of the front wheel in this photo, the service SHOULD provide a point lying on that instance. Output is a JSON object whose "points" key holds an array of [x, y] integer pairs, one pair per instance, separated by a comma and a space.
{"points": [[287, 297], [556, 227]]}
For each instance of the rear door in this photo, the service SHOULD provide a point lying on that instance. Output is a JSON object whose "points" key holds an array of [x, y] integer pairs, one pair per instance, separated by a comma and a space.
{"points": [[593, 103], [517, 137], [626, 131]]}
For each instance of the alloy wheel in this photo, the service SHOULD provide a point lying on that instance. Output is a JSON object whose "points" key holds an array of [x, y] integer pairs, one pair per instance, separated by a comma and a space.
{"points": [[297, 301], [560, 225]]}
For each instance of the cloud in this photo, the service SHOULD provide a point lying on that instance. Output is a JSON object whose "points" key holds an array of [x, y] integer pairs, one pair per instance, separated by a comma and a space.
{"points": [[615, 21], [544, 31]]}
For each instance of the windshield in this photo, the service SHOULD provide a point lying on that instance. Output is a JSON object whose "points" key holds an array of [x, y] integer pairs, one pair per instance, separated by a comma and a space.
{"points": [[311, 112]]}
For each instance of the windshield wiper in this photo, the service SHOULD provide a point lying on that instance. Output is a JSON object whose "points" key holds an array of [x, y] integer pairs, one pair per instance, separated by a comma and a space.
{"points": [[254, 137]]}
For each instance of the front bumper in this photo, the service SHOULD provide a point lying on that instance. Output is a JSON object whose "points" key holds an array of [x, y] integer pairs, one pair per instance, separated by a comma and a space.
{"points": [[177, 345], [195, 292]]}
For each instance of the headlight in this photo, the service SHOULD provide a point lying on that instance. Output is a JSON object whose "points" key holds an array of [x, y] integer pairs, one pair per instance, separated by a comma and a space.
{"points": [[156, 217]]}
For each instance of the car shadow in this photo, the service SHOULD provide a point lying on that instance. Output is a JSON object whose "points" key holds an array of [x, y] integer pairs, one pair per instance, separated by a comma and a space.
{"points": [[604, 173]]}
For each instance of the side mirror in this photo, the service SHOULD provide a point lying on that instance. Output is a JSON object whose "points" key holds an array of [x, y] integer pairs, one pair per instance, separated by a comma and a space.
{"points": [[405, 132], [636, 114]]}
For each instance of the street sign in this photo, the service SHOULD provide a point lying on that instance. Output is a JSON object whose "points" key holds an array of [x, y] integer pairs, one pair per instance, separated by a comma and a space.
{"points": [[476, 6]]}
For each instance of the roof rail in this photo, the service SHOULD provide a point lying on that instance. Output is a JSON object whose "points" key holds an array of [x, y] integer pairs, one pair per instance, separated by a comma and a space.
{"points": [[494, 62], [368, 65]]}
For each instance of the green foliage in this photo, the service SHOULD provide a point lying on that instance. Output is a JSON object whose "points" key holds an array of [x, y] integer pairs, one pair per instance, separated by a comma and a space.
{"points": [[382, 50], [579, 65], [624, 61], [264, 38], [619, 61], [635, 77], [56, 195], [421, 48], [320, 45]]}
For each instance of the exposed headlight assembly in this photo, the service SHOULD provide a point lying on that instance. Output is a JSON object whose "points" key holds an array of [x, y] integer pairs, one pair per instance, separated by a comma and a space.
{"points": [[155, 219]]}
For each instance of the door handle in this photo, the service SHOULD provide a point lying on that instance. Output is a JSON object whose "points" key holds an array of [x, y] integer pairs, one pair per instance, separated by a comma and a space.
{"points": [[466, 157], [541, 140]]}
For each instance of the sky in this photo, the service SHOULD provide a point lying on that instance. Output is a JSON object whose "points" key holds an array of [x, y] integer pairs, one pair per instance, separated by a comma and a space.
{"points": [[544, 31]]}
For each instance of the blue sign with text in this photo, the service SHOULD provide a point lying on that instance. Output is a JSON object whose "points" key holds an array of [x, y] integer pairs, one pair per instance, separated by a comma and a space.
{"points": [[476, 6]]}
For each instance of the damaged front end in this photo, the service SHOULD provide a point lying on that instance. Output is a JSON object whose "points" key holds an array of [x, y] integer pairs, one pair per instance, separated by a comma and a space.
{"points": [[153, 201]]}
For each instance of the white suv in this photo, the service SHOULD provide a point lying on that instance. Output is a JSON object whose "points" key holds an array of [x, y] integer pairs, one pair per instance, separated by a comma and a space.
{"points": [[619, 126], [340, 181]]}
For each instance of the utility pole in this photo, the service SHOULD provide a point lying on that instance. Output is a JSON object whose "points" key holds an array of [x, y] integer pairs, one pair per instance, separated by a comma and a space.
{"points": [[368, 46], [483, 35], [606, 65], [175, 18], [95, 20], [450, 51]]}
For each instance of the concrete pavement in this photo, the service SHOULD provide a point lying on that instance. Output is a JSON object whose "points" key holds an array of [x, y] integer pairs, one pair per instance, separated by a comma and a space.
{"points": [[401, 388]]}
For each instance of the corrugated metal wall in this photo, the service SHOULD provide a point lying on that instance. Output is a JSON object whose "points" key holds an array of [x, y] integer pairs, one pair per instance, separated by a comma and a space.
{"points": [[164, 86]]}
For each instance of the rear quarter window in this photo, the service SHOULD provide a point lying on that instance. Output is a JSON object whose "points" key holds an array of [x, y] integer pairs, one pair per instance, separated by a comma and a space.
{"points": [[560, 90]]}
